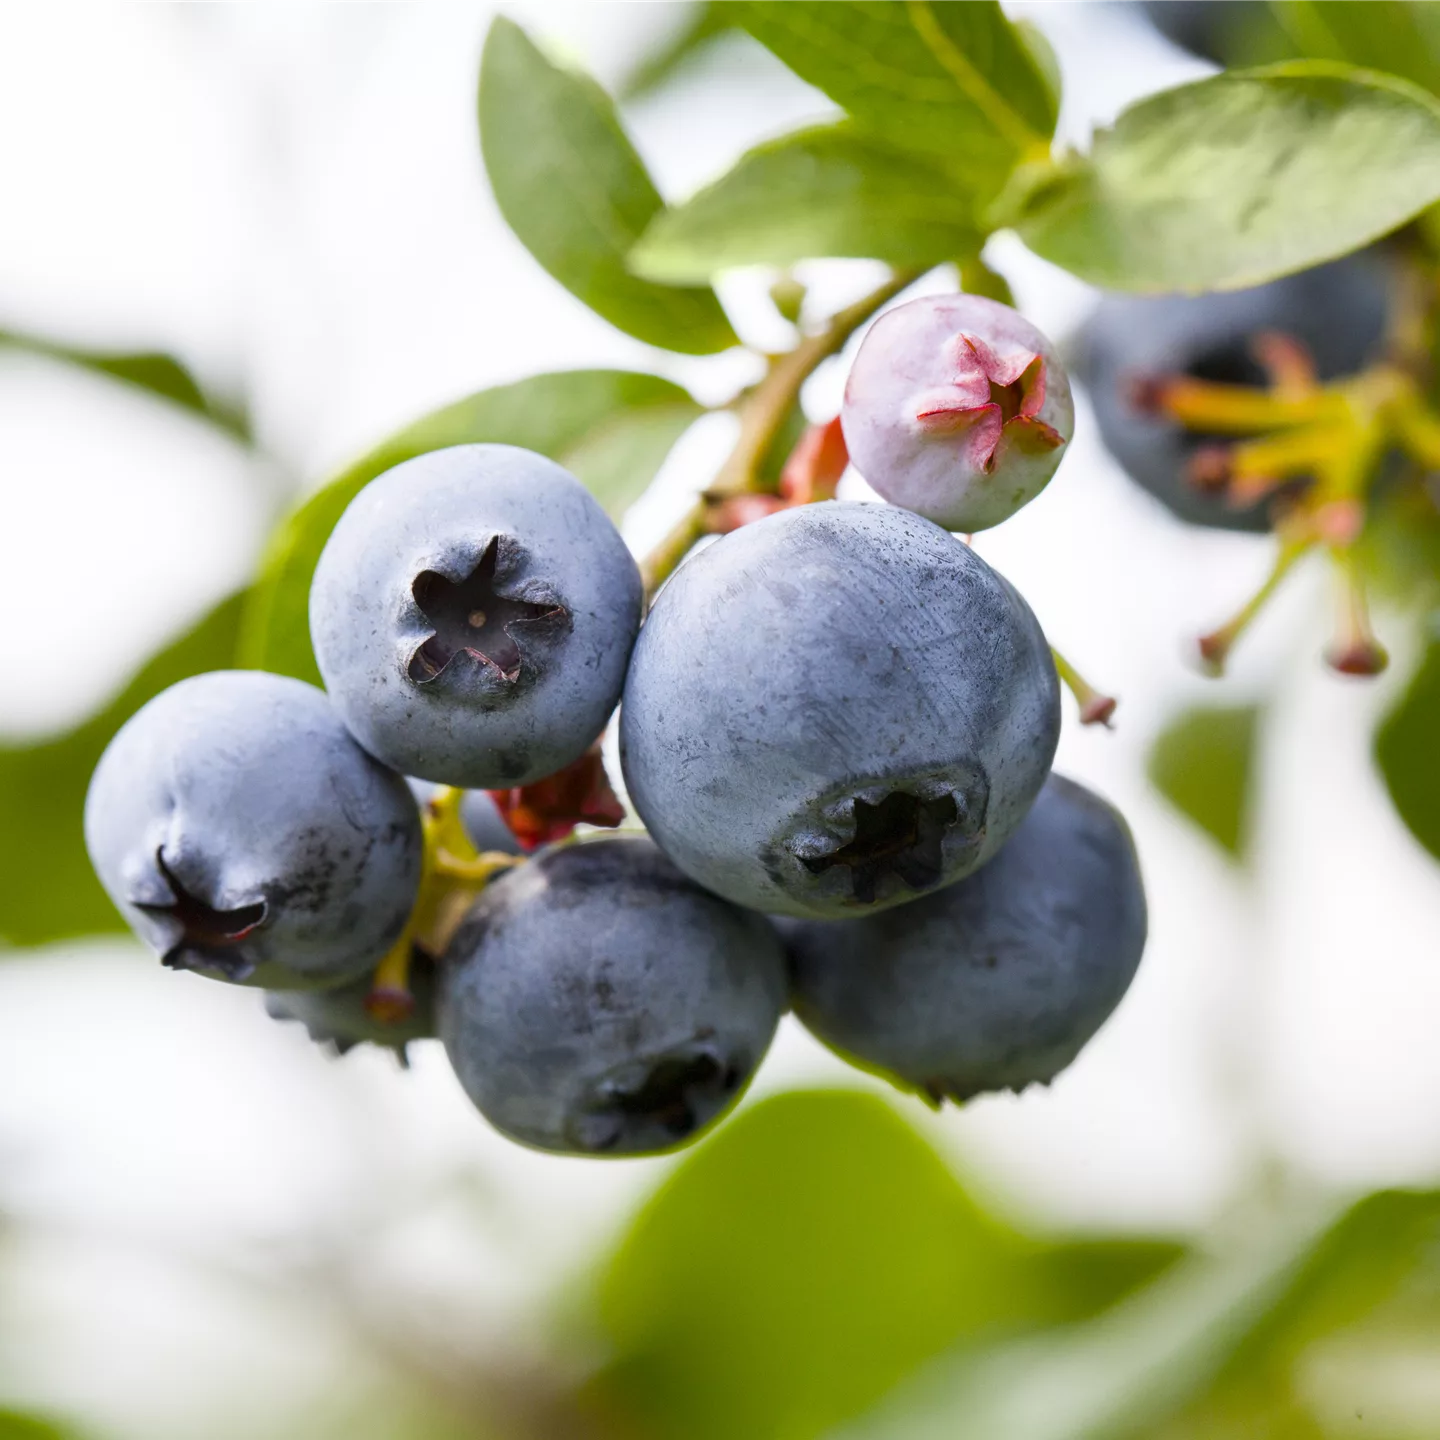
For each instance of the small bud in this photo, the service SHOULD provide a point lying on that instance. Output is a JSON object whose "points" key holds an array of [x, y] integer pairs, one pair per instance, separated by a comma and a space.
{"points": [[957, 408], [815, 465], [1362, 656]]}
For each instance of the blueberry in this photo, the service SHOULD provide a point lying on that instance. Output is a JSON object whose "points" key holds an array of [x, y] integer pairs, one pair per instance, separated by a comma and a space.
{"points": [[595, 1001], [957, 408], [245, 835], [1335, 311], [339, 1019], [472, 615], [835, 709], [998, 981], [480, 816]]}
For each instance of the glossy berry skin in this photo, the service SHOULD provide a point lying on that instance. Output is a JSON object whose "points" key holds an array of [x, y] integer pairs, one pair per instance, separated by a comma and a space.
{"points": [[997, 982], [596, 1002], [1335, 311], [957, 408], [835, 709], [339, 1020], [244, 834], [472, 615]]}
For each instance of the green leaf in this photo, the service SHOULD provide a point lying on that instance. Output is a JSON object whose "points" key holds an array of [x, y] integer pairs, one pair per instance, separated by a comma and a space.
{"points": [[50, 891], [831, 190], [159, 375], [1114, 1377], [611, 427], [955, 82], [1405, 752], [15, 1426], [1400, 37], [807, 1257], [1239, 178], [704, 22], [573, 189], [1210, 1348], [1203, 763]]}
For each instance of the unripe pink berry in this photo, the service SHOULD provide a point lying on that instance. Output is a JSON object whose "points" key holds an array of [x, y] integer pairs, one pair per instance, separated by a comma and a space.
{"points": [[957, 408]]}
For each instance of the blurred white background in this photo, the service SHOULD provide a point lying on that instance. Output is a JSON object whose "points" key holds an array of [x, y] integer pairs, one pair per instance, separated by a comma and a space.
{"points": [[291, 198]]}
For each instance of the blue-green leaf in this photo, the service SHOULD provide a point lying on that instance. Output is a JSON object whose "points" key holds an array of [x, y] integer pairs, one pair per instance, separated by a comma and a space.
{"points": [[955, 82], [830, 190], [1239, 178], [571, 186]]}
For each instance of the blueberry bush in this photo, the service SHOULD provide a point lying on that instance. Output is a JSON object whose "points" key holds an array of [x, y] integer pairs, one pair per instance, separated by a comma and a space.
{"points": [[374, 784]]}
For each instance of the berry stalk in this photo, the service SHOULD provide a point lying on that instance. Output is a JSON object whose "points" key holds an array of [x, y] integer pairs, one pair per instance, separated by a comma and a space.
{"points": [[763, 412]]}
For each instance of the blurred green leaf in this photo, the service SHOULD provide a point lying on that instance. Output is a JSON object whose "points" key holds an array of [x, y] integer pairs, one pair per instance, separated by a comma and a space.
{"points": [[573, 189], [1239, 178], [1209, 1349], [808, 1256], [49, 891], [830, 190], [15, 1426], [703, 23], [955, 82], [1405, 752], [611, 427], [159, 375], [1400, 37], [1370, 1284], [1203, 763], [1114, 1377]]}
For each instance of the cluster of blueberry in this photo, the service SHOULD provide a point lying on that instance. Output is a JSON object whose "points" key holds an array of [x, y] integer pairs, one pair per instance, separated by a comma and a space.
{"points": [[837, 725]]}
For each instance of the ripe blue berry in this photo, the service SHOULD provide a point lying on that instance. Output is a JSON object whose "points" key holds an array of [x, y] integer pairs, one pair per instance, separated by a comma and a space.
{"points": [[472, 616], [595, 1001], [998, 981], [835, 709], [1336, 313], [244, 835], [339, 1018], [957, 408]]}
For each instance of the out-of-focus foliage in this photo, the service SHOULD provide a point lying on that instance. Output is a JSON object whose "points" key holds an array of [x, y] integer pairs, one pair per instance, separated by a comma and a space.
{"points": [[1240, 178], [47, 889], [611, 427], [1203, 763], [573, 189], [1398, 37], [15, 1426], [1223, 1345], [1406, 751], [159, 375], [812, 1253], [703, 22]]}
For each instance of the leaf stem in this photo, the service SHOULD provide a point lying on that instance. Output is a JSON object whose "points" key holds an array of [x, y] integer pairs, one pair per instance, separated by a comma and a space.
{"points": [[763, 412]]}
